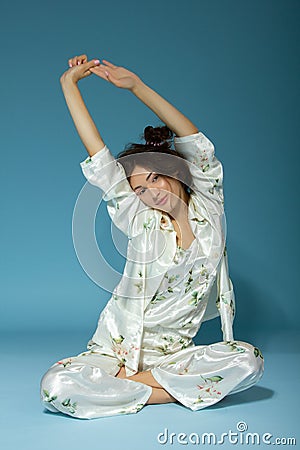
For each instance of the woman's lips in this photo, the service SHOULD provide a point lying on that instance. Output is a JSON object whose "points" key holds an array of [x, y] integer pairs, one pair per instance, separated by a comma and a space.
{"points": [[163, 200]]}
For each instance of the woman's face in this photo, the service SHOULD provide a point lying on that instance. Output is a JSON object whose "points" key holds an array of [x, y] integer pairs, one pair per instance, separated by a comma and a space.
{"points": [[157, 191]]}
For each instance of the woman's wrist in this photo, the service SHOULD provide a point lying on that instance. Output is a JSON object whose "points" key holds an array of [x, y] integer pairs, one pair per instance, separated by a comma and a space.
{"points": [[138, 87], [67, 81]]}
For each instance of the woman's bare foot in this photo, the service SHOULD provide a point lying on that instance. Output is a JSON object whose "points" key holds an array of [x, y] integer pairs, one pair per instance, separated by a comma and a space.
{"points": [[121, 373], [160, 396]]}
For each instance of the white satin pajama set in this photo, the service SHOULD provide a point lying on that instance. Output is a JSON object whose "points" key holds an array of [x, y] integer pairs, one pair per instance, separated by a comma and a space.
{"points": [[165, 293]]}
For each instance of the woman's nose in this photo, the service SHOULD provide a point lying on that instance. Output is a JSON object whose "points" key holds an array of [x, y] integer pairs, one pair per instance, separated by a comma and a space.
{"points": [[155, 193]]}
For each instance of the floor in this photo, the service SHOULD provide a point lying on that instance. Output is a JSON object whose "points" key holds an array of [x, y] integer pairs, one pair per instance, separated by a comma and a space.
{"points": [[269, 407]]}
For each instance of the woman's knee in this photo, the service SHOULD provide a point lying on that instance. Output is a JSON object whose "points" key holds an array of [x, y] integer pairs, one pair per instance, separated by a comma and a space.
{"points": [[52, 381]]}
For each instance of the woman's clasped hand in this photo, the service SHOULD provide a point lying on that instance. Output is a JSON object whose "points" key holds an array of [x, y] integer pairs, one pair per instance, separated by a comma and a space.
{"points": [[80, 67]]}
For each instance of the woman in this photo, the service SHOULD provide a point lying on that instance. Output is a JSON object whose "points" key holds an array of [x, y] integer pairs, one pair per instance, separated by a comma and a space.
{"points": [[170, 205]]}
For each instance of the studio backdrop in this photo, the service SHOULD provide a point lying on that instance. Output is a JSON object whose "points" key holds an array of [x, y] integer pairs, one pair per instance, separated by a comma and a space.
{"points": [[230, 66]]}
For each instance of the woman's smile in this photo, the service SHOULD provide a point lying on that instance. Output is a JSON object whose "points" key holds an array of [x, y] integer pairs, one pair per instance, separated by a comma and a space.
{"points": [[163, 200]]}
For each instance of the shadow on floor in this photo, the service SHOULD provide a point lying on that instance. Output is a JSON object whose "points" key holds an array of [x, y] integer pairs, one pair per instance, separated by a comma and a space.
{"points": [[254, 394]]}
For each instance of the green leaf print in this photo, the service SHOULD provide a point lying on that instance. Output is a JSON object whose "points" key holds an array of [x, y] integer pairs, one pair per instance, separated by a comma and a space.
{"points": [[203, 271], [234, 347], [168, 338], [232, 307], [164, 349], [139, 287], [139, 406], [133, 409], [71, 407], [158, 298], [224, 300], [169, 346], [215, 379], [212, 189], [187, 323], [199, 222], [147, 224], [257, 353], [196, 297], [205, 168], [208, 388], [189, 281], [118, 340], [47, 397], [183, 343], [172, 278], [198, 400]]}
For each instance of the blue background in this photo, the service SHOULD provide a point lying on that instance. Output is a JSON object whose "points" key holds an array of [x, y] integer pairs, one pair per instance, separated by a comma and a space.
{"points": [[232, 67]]}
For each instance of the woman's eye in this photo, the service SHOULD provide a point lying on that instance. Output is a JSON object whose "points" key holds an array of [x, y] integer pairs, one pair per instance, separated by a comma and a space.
{"points": [[155, 178], [141, 192]]}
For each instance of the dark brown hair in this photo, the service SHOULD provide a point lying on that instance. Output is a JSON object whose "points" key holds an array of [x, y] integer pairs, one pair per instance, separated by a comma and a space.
{"points": [[153, 156]]}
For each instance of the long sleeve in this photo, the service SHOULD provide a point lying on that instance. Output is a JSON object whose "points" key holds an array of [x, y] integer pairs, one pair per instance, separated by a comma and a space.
{"points": [[226, 299], [207, 173], [102, 170], [206, 169]]}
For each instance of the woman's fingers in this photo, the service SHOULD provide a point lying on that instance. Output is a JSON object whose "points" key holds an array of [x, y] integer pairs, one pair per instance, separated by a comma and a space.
{"points": [[85, 69], [80, 67], [109, 64], [105, 73], [93, 63], [73, 61], [101, 71], [120, 77], [82, 59], [77, 60]]}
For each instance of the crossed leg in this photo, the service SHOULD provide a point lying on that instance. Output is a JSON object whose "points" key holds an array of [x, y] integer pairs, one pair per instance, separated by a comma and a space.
{"points": [[159, 394]]}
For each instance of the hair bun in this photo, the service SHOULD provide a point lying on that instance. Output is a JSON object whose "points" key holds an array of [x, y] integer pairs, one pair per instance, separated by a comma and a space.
{"points": [[158, 135]]}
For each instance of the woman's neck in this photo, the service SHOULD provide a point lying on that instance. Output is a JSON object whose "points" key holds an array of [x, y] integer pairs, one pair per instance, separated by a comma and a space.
{"points": [[180, 213], [181, 224]]}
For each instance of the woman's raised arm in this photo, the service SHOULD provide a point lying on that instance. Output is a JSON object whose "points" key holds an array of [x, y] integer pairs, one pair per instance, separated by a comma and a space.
{"points": [[80, 68], [123, 78]]}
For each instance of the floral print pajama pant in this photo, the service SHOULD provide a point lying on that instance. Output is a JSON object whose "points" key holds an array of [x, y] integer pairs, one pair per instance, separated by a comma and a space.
{"points": [[85, 386]]}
